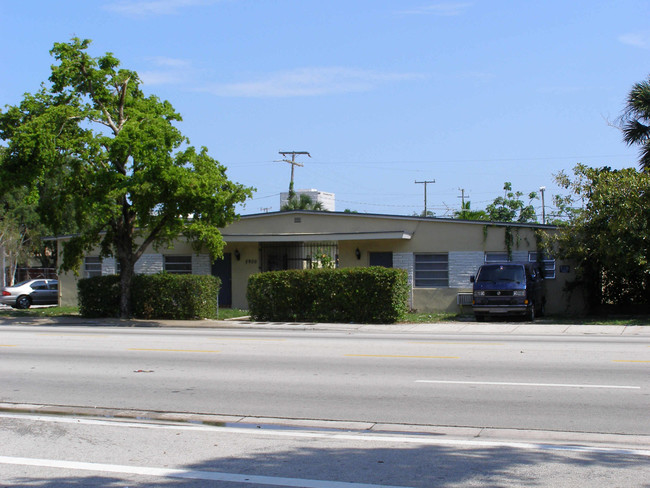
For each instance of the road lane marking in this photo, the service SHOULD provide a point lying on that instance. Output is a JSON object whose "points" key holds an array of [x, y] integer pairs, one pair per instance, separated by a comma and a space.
{"points": [[457, 343], [397, 356], [170, 350], [187, 474], [8, 345], [504, 383], [418, 439], [628, 361]]}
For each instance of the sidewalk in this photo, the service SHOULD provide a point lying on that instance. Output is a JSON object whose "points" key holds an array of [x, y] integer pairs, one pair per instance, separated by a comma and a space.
{"points": [[451, 327]]}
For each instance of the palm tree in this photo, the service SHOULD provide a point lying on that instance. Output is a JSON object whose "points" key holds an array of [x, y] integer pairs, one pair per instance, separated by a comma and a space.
{"points": [[466, 213], [635, 121], [304, 202]]}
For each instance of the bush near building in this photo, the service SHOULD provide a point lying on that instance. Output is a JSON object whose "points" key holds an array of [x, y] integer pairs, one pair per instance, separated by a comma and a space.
{"points": [[159, 296], [361, 295]]}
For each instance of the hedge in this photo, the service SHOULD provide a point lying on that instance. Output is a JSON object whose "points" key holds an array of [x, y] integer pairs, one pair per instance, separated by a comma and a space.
{"points": [[159, 296], [360, 295]]}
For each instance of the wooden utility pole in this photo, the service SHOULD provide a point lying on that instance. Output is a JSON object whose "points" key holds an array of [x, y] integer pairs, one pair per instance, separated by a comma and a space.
{"points": [[293, 164], [425, 193], [462, 198]]}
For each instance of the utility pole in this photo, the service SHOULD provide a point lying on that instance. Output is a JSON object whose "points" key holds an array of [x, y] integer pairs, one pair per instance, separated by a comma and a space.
{"points": [[425, 193], [293, 164], [542, 189], [462, 197]]}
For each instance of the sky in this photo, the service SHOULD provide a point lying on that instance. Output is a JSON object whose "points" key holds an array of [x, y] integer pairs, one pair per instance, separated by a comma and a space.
{"points": [[381, 93]]}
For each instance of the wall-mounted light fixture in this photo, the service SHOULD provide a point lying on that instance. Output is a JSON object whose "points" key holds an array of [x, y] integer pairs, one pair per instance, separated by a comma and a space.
{"points": [[357, 253], [237, 254]]}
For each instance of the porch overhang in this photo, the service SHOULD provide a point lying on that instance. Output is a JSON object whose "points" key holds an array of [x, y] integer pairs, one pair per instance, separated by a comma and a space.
{"points": [[318, 236]]}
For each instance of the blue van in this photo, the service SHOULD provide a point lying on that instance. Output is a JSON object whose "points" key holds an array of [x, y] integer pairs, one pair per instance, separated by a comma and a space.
{"points": [[505, 289]]}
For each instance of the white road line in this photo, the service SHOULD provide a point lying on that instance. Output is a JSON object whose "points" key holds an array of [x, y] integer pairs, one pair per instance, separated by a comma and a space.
{"points": [[419, 439], [503, 383], [185, 474]]}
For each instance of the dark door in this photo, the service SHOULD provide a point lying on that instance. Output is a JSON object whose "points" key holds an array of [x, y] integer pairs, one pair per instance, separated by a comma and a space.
{"points": [[384, 259], [222, 268]]}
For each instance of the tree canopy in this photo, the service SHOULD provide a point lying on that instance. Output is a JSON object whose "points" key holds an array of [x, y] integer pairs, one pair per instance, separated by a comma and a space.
{"points": [[301, 202], [608, 234], [635, 121], [125, 174], [511, 208]]}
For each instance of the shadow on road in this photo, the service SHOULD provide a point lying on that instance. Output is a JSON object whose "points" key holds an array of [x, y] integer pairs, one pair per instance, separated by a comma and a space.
{"points": [[404, 466]]}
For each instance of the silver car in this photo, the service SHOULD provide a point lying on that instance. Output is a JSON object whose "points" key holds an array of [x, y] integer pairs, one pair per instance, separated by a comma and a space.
{"points": [[31, 292]]}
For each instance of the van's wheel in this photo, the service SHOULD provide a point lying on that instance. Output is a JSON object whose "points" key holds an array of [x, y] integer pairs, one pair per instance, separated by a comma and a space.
{"points": [[23, 302], [531, 313]]}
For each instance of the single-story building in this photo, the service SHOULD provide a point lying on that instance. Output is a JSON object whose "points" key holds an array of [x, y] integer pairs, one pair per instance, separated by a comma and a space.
{"points": [[439, 254]]}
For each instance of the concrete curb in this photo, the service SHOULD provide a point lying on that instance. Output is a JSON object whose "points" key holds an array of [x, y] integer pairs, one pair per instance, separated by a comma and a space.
{"points": [[461, 328]]}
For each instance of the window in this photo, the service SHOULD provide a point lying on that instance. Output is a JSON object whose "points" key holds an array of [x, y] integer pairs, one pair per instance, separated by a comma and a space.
{"points": [[178, 264], [92, 266], [497, 257], [548, 264], [431, 270]]}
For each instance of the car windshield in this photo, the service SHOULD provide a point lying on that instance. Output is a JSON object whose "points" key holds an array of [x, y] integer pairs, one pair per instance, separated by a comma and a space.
{"points": [[21, 283], [501, 272]]}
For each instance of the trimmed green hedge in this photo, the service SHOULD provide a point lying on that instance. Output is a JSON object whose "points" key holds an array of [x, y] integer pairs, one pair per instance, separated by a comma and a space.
{"points": [[159, 296], [360, 295]]}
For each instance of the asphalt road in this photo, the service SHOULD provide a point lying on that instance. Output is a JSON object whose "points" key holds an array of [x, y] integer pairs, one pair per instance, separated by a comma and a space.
{"points": [[565, 383], [331, 408]]}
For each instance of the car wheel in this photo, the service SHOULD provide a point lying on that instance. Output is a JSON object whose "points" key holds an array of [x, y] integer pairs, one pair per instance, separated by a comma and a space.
{"points": [[23, 302]]}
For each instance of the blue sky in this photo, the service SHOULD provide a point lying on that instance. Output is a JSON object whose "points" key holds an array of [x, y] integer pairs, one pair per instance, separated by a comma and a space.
{"points": [[381, 92]]}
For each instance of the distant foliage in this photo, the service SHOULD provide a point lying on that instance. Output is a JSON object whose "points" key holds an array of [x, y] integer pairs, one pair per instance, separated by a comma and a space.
{"points": [[159, 296], [360, 295], [511, 208]]}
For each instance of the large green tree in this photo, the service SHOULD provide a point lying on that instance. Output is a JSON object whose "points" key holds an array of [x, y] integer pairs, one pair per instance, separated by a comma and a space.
{"points": [[635, 121], [608, 234], [126, 174]]}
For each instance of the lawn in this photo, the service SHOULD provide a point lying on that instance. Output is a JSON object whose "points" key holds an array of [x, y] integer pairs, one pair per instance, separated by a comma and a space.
{"points": [[411, 318]]}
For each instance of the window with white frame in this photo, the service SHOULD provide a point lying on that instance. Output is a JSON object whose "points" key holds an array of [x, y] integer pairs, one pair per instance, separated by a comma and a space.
{"points": [[431, 270], [178, 264], [548, 264], [92, 266], [497, 257]]}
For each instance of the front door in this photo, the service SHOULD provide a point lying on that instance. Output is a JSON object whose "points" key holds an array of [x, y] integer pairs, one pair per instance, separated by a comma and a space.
{"points": [[222, 268], [384, 259]]}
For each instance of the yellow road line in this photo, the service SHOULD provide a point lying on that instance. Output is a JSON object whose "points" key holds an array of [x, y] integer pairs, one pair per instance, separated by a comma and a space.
{"points": [[8, 345], [243, 339], [72, 335], [169, 350], [458, 343], [397, 356]]}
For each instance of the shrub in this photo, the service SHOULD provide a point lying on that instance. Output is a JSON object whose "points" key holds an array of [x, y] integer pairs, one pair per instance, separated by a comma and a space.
{"points": [[362, 295], [99, 296], [159, 296], [170, 296]]}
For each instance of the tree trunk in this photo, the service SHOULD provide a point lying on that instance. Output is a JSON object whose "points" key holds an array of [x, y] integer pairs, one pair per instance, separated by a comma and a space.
{"points": [[123, 242], [126, 278]]}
